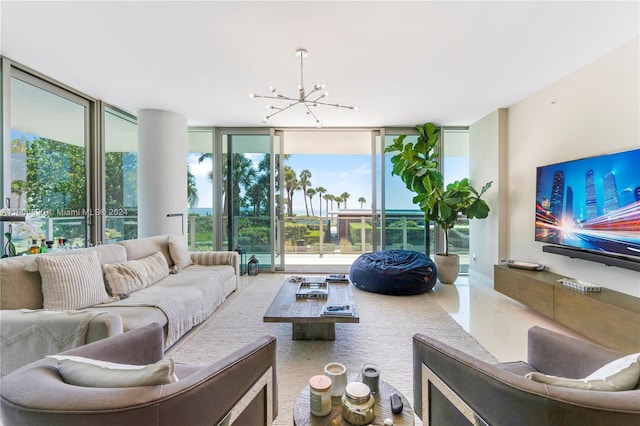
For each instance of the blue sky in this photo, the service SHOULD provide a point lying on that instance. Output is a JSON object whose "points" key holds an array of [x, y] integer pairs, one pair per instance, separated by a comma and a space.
{"points": [[338, 174]]}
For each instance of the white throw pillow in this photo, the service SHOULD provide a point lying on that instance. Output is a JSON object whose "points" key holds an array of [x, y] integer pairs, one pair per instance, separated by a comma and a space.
{"points": [[621, 374], [71, 281], [87, 372], [179, 251], [132, 275]]}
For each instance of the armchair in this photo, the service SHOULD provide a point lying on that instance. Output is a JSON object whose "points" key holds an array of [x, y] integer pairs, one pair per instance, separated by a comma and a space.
{"points": [[454, 388], [240, 388]]}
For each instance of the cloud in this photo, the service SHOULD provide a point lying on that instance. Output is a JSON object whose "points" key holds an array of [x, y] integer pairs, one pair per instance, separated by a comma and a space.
{"points": [[199, 169]]}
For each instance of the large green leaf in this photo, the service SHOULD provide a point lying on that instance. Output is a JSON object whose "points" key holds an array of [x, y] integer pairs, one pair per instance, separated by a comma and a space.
{"points": [[417, 165]]}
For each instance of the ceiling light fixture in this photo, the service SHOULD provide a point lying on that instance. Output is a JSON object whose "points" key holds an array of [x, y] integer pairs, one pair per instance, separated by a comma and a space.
{"points": [[308, 100]]}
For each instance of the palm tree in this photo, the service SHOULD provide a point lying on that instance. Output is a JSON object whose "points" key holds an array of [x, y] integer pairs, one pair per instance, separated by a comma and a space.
{"points": [[192, 190], [321, 190], [327, 198], [331, 198], [338, 200], [243, 174], [305, 175], [291, 184], [258, 193], [310, 193], [344, 197], [362, 200]]}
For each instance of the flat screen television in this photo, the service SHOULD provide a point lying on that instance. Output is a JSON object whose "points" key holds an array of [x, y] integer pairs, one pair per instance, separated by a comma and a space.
{"points": [[591, 204]]}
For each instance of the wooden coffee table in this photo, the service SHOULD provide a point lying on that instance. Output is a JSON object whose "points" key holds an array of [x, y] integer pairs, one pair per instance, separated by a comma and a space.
{"points": [[302, 415], [305, 315]]}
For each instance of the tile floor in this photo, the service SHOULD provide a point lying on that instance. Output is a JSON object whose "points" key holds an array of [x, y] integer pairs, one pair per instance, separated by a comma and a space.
{"points": [[498, 322]]}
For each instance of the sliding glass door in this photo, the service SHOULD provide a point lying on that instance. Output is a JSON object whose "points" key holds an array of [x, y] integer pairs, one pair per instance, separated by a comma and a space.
{"points": [[48, 163], [120, 176], [250, 195]]}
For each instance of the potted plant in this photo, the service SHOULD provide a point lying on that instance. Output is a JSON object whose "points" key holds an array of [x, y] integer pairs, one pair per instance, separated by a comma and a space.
{"points": [[417, 165]]}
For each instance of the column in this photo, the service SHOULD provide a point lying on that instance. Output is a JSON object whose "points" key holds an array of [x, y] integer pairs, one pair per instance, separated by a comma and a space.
{"points": [[162, 173]]}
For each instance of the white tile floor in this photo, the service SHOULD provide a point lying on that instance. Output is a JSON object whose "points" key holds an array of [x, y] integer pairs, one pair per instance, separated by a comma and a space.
{"points": [[498, 322]]}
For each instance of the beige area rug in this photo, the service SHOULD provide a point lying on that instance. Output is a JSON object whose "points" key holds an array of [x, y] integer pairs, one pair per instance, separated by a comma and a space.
{"points": [[383, 336]]}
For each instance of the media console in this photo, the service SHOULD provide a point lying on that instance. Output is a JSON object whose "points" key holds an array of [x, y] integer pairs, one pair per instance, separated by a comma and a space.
{"points": [[609, 317]]}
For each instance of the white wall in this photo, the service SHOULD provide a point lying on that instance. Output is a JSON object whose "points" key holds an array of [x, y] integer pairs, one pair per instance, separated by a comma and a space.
{"points": [[487, 150], [592, 111]]}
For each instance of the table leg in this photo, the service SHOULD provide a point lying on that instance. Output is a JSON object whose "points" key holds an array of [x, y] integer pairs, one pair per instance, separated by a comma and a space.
{"points": [[317, 331]]}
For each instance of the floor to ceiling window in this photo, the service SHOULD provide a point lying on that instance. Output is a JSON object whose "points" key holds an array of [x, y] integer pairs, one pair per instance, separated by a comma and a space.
{"points": [[404, 224], [48, 163], [328, 181], [317, 198], [120, 176], [455, 161], [200, 194], [249, 215]]}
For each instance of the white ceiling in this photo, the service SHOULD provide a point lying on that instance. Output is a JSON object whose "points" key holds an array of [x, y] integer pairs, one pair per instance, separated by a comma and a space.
{"points": [[402, 63]]}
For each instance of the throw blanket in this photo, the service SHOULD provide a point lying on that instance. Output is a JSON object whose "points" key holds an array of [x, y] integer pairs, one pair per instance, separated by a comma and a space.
{"points": [[27, 336], [184, 305]]}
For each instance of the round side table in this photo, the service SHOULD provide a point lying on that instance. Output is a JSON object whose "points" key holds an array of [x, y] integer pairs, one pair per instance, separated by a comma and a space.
{"points": [[302, 415]]}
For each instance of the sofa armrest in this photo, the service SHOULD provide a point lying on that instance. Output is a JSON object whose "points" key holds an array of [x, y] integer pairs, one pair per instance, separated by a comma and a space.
{"points": [[560, 355], [141, 346], [249, 371], [210, 258], [500, 397], [36, 394], [29, 335], [104, 326]]}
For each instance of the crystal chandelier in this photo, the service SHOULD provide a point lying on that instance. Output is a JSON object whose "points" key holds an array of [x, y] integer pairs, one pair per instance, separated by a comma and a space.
{"points": [[308, 100]]}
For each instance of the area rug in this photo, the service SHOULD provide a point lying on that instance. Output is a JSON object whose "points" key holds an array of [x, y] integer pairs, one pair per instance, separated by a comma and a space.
{"points": [[383, 336]]}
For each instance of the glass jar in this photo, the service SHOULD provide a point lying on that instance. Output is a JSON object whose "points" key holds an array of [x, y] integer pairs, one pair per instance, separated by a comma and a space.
{"points": [[34, 248], [320, 395], [358, 404]]}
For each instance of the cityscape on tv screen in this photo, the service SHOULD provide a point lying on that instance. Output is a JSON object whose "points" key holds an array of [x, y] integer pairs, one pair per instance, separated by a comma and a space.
{"points": [[591, 204]]}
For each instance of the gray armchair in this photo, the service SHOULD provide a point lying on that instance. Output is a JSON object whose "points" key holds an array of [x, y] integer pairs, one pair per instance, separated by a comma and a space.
{"points": [[240, 388], [453, 388]]}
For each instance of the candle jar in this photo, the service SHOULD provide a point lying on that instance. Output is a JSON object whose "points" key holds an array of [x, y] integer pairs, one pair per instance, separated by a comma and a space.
{"points": [[358, 404], [320, 395]]}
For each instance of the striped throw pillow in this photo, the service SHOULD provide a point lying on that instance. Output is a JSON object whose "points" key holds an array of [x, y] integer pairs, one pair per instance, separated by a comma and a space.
{"points": [[132, 275], [71, 281]]}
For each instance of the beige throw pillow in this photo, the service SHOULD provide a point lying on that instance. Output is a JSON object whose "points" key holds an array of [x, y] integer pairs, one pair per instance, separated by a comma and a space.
{"points": [[87, 372], [179, 252], [71, 281], [132, 275], [621, 374]]}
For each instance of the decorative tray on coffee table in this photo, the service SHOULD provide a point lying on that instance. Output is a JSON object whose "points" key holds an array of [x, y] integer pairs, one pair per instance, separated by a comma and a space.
{"points": [[312, 289]]}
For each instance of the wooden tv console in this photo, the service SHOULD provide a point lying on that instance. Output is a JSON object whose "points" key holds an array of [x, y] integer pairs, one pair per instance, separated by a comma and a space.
{"points": [[610, 318]]}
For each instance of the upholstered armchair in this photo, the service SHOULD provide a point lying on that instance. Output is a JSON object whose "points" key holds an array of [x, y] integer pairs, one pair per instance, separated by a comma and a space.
{"points": [[240, 388], [453, 388]]}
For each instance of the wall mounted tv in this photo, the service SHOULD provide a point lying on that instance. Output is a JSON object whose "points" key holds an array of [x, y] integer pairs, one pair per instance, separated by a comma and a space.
{"points": [[590, 208]]}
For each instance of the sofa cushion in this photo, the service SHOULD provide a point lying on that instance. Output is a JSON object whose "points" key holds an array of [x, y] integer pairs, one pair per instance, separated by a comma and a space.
{"points": [[619, 375], [133, 275], [133, 317], [70, 282], [19, 289], [87, 372], [179, 251], [143, 247], [106, 254]]}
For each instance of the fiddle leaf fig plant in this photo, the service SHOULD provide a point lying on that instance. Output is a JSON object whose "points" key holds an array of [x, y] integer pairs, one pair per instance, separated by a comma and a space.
{"points": [[417, 165]]}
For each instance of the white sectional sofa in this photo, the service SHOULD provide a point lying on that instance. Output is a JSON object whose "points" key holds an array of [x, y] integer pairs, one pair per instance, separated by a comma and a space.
{"points": [[54, 304]]}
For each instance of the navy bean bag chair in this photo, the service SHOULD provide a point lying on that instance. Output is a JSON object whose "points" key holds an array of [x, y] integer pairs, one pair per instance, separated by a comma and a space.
{"points": [[394, 272]]}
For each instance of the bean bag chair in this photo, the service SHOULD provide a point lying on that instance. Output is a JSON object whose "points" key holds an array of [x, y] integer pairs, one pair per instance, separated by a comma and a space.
{"points": [[394, 272]]}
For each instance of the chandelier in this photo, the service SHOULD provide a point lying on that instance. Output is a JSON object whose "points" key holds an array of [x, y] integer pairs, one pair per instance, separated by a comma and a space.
{"points": [[308, 100]]}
